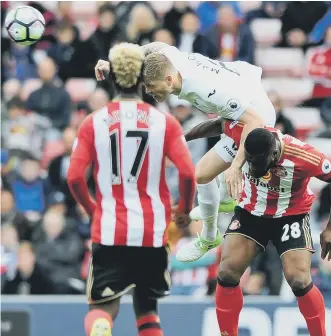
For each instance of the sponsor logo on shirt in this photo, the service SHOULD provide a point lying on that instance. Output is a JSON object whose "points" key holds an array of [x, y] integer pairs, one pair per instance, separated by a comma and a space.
{"points": [[263, 183], [233, 105]]}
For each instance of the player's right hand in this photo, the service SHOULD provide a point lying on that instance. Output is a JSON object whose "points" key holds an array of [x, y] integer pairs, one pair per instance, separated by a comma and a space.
{"points": [[101, 70]]}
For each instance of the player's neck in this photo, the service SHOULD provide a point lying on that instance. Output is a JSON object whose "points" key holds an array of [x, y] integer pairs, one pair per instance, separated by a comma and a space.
{"points": [[127, 97], [177, 87]]}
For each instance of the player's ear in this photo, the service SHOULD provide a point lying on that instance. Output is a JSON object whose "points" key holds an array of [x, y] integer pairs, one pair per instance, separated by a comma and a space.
{"points": [[169, 80]]}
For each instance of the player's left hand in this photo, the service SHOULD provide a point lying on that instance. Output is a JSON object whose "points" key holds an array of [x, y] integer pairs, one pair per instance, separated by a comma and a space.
{"points": [[233, 180], [325, 239], [180, 218]]}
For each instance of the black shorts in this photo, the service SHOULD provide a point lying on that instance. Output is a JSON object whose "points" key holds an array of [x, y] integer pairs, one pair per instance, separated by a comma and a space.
{"points": [[286, 233], [114, 270]]}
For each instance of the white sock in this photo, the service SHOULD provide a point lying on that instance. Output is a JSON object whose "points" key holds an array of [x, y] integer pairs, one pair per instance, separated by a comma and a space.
{"points": [[223, 190], [208, 198]]}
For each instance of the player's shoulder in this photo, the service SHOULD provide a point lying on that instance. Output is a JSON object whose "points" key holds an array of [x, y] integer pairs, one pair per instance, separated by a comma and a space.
{"points": [[87, 123], [300, 152]]}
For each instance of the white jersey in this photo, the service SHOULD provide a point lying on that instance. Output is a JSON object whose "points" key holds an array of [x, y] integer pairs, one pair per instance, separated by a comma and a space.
{"points": [[223, 88]]}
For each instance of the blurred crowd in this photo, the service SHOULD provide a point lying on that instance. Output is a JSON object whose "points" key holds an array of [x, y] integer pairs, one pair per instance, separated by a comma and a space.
{"points": [[47, 90]]}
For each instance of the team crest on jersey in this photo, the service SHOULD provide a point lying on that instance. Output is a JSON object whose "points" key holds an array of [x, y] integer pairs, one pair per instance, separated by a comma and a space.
{"points": [[279, 171], [233, 105], [235, 225], [326, 166]]}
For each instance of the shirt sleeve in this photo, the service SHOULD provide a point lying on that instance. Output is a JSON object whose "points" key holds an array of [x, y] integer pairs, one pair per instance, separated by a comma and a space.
{"points": [[317, 165], [177, 151], [233, 106], [81, 158]]}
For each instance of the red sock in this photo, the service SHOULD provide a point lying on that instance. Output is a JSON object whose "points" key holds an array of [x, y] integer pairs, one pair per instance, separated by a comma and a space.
{"points": [[229, 302], [149, 325], [312, 307], [92, 316]]}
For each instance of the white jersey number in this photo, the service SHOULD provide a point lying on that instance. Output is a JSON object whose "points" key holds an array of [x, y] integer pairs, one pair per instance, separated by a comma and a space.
{"points": [[293, 231]]}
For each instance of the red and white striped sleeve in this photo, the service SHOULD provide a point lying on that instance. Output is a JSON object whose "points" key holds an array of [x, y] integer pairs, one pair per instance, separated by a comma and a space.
{"points": [[81, 158], [318, 166], [178, 153]]}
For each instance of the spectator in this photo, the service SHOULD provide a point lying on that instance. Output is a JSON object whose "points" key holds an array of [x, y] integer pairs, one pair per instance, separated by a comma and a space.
{"points": [[30, 189], [74, 58], [59, 251], [325, 113], [163, 35], [283, 123], [171, 20], [124, 10], [141, 26], [48, 37], [298, 20], [319, 69], [189, 40], [233, 41], [98, 99], [29, 277], [56, 202], [207, 12], [10, 216], [58, 168], [24, 133], [51, 100], [19, 63], [267, 10], [9, 246], [188, 117], [319, 30], [11, 88], [107, 32]]}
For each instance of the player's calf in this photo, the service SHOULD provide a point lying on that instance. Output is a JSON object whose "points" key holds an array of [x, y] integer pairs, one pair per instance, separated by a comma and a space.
{"points": [[296, 266], [145, 308]]}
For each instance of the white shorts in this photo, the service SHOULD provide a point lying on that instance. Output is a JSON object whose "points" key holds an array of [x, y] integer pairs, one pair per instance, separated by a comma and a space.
{"points": [[226, 148]]}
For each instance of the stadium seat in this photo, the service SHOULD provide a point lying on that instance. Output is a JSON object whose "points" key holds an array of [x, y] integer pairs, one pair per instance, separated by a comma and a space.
{"points": [[306, 120], [280, 61], [266, 31], [247, 6], [29, 86], [321, 144], [292, 90], [80, 88]]}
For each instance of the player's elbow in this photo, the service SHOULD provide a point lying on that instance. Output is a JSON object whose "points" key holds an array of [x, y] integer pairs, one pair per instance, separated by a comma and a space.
{"points": [[187, 170], [74, 176]]}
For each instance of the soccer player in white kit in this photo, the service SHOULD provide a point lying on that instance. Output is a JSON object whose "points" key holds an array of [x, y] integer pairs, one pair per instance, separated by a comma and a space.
{"points": [[231, 90]]}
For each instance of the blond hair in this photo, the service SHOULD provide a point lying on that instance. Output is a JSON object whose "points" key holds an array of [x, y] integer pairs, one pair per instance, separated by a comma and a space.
{"points": [[126, 60], [155, 67]]}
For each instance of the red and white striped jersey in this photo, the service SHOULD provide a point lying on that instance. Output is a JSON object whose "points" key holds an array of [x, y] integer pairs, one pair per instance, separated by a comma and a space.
{"points": [[284, 191], [127, 142]]}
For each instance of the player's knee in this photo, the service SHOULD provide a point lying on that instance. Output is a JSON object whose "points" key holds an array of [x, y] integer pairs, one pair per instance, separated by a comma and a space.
{"points": [[298, 280], [228, 277], [201, 175]]}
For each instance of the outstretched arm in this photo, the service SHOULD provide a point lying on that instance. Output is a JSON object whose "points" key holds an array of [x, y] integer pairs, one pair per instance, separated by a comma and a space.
{"points": [[205, 129]]}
